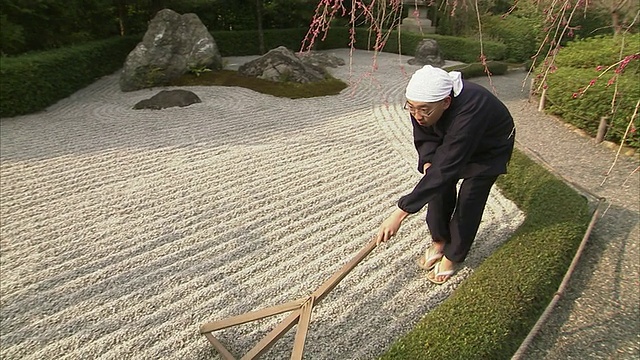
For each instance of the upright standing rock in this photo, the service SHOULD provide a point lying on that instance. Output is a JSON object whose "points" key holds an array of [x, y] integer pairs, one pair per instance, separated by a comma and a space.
{"points": [[428, 53], [172, 45]]}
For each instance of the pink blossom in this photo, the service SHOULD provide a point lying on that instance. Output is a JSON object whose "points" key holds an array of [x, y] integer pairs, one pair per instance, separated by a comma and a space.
{"points": [[575, 95], [599, 68], [593, 81]]}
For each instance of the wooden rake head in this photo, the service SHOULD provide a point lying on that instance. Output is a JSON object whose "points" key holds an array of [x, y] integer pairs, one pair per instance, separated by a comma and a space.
{"points": [[300, 314]]}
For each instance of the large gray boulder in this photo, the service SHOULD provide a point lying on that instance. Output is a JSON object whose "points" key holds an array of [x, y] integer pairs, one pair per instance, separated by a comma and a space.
{"points": [[428, 53], [172, 45], [282, 65]]}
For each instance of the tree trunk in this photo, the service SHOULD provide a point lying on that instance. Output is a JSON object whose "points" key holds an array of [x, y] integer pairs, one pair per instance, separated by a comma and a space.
{"points": [[259, 4], [121, 13], [615, 22]]}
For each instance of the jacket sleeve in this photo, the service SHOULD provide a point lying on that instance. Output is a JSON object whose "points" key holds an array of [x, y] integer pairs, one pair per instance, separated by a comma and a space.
{"points": [[460, 141], [426, 142]]}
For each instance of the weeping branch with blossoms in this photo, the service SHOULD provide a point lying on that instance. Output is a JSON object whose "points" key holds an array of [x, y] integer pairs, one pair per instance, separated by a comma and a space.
{"points": [[376, 13]]}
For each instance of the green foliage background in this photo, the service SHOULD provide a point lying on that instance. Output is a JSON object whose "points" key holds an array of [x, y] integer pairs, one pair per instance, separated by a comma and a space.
{"points": [[34, 81], [578, 65], [521, 35]]}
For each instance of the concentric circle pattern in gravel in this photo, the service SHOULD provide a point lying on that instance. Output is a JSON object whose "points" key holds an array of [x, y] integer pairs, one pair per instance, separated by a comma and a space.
{"points": [[125, 230]]}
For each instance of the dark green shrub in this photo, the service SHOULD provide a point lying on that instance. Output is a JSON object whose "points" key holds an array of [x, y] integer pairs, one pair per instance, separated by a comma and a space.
{"points": [[462, 49], [477, 69], [584, 111], [602, 50], [238, 43], [245, 42], [522, 36], [12, 40], [34, 81], [596, 21], [453, 48], [579, 65]]}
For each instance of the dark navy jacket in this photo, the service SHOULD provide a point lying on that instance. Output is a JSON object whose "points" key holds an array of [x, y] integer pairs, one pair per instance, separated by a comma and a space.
{"points": [[474, 137]]}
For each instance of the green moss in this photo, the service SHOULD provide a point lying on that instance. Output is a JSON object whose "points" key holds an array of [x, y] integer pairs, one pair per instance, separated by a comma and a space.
{"points": [[329, 86]]}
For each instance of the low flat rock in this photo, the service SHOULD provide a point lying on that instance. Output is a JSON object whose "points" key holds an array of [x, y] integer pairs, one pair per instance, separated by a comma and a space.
{"points": [[168, 98]]}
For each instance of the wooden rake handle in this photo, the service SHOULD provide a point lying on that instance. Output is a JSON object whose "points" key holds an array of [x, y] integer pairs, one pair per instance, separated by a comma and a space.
{"points": [[301, 315]]}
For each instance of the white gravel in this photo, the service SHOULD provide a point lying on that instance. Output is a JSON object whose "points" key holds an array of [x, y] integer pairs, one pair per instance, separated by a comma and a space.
{"points": [[125, 230]]}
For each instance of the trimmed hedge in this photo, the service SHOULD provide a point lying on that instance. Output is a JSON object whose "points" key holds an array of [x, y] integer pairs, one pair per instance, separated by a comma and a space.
{"points": [[477, 69], [490, 314], [34, 81], [585, 111], [577, 67], [597, 51], [239, 43]]}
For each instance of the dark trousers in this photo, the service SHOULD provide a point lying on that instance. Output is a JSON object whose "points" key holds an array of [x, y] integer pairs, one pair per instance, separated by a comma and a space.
{"points": [[454, 217]]}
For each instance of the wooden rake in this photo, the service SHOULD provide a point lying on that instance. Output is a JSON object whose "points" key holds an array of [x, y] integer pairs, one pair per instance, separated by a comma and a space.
{"points": [[300, 314]]}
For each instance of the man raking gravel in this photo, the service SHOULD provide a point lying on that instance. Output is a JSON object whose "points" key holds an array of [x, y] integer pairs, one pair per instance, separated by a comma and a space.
{"points": [[461, 131]]}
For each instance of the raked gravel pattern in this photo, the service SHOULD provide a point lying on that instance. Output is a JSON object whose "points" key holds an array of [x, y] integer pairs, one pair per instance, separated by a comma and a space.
{"points": [[125, 230]]}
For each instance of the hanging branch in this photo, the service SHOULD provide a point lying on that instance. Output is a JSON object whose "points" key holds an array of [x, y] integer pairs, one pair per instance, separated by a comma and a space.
{"points": [[633, 117]]}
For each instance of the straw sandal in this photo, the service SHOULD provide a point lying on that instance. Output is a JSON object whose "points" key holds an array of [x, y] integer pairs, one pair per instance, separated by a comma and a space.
{"points": [[431, 256], [436, 272]]}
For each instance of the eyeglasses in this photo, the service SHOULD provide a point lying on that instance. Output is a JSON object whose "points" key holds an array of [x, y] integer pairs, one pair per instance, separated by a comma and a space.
{"points": [[422, 111]]}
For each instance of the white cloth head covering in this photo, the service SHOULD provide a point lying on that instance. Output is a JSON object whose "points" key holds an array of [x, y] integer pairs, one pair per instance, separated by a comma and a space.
{"points": [[431, 84]]}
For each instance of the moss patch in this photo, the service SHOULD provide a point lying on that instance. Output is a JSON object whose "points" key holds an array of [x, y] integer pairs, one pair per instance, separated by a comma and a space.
{"points": [[330, 86]]}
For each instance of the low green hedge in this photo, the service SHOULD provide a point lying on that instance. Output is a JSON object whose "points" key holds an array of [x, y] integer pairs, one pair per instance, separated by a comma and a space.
{"points": [[477, 69], [579, 64], [490, 314], [597, 51], [34, 81], [239, 43], [586, 110], [461, 49]]}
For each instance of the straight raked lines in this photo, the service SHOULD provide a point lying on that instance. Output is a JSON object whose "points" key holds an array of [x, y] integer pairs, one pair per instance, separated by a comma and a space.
{"points": [[125, 231]]}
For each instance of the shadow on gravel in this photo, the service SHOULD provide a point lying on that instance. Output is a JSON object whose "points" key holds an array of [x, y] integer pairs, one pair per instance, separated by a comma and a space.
{"points": [[612, 231]]}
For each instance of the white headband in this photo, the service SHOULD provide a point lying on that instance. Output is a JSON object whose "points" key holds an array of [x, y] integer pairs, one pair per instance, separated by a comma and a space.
{"points": [[431, 84]]}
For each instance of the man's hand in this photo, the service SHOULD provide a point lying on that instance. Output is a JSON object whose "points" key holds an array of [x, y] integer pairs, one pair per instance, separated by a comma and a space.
{"points": [[425, 167], [390, 226]]}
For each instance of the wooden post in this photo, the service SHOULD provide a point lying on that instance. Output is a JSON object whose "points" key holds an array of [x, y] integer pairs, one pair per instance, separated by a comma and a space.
{"points": [[602, 129], [542, 98], [532, 87]]}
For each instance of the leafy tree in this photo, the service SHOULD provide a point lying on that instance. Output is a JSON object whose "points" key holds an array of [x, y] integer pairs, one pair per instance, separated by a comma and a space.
{"points": [[44, 24]]}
